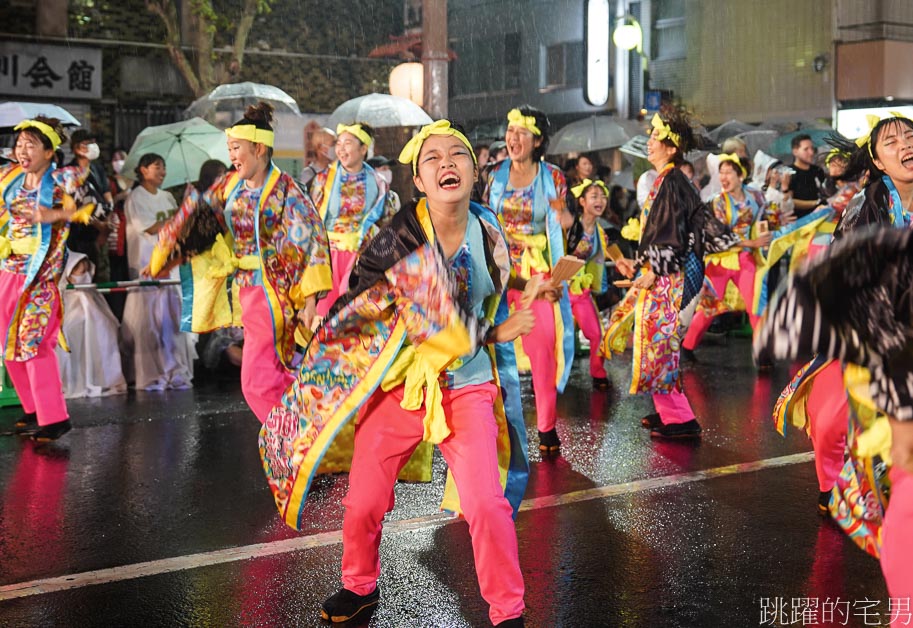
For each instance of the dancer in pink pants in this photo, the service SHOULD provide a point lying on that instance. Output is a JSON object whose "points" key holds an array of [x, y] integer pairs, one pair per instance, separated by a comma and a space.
{"points": [[528, 195], [351, 199], [456, 408], [744, 210], [35, 210], [272, 244], [588, 242]]}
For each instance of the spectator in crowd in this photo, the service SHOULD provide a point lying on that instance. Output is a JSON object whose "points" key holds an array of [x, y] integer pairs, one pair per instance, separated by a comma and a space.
{"points": [[384, 169], [806, 181], [91, 238], [320, 155], [157, 355]]}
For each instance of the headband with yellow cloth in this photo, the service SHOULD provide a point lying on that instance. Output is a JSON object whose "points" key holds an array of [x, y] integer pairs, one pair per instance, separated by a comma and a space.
{"points": [[665, 131], [836, 153], [46, 129], [734, 159], [355, 129], [515, 118], [251, 133], [413, 147], [873, 120], [579, 190]]}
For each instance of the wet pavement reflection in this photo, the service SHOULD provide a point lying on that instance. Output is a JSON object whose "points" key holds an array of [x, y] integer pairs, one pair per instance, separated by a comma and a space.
{"points": [[148, 477]]}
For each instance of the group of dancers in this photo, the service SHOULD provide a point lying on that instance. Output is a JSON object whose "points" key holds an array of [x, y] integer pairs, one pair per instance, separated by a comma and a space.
{"points": [[405, 323]]}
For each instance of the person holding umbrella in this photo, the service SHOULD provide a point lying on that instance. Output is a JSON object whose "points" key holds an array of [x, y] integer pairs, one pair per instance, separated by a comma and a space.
{"points": [[274, 247], [529, 196], [35, 209], [351, 198]]}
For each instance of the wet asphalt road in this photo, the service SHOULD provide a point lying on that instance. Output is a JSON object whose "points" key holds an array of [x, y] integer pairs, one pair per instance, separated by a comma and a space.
{"points": [[153, 512]]}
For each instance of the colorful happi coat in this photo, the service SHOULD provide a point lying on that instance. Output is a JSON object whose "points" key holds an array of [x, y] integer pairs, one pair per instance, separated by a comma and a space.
{"points": [[351, 205], [858, 322], [270, 238], [591, 248], [37, 251], [743, 219], [402, 320], [532, 224], [675, 231]]}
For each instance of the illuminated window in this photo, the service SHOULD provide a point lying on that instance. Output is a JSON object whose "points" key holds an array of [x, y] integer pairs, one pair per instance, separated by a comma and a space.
{"points": [[668, 29]]}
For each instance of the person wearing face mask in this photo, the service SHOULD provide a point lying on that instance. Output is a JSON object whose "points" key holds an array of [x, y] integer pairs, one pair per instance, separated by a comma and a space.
{"points": [[588, 242], [384, 169], [92, 367], [420, 348], [90, 238], [273, 249], [351, 198], [36, 206]]}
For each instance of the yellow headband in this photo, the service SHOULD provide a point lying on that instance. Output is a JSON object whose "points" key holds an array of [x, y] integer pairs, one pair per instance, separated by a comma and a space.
{"points": [[734, 159], [413, 147], [515, 118], [356, 130], [665, 131], [578, 190], [251, 133], [836, 153], [46, 129], [873, 120]]}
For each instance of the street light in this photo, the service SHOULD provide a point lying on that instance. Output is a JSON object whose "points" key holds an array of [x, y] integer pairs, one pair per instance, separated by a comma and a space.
{"points": [[629, 36], [597, 52]]}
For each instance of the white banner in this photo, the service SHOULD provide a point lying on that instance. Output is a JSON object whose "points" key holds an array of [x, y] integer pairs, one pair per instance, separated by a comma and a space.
{"points": [[65, 72]]}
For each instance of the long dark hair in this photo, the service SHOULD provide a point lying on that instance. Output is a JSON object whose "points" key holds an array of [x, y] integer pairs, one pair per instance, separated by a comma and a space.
{"points": [[861, 159]]}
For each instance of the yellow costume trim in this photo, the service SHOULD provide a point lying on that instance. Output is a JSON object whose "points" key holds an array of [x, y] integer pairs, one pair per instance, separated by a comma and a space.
{"points": [[316, 279], [251, 133], [84, 214], [534, 250], [638, 341], [357, 130], [345, 241], [665, 131], [578, 190], [516, 118], [875, 439], [157, 260], [727, 259], [413, 147], [580, 282], [225, 262], [631, 231], [734, 159], [46, 129]]}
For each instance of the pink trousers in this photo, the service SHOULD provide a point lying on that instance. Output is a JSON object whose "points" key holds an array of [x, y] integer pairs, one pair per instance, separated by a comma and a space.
{"points": [[264, 378], [343, 262], [385, 437], [588, 319], [539, 345], [673, 407], [828, 416], [719, 277], [37, 381], [896, 540]]}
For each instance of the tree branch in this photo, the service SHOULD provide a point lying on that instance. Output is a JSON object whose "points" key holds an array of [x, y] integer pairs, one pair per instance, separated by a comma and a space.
{"points": [[167, 11], [245, 23]]}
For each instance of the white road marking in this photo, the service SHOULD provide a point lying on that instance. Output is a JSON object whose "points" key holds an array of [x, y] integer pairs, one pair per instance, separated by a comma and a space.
{"points": [[323, 539]]}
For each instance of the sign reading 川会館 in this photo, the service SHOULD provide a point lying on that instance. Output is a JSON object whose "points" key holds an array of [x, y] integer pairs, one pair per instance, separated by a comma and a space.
{"points": [[50, 71]]}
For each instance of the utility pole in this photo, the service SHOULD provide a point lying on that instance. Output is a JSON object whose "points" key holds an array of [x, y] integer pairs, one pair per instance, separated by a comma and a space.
{"points": [[435, 57]]}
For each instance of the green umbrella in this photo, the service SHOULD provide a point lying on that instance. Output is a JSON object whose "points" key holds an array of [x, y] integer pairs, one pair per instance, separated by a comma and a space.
{"points": [[183, 145]]}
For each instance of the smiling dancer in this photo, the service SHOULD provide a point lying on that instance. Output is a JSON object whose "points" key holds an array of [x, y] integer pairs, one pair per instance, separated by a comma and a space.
{"points": [[528, 195], [33, 235], [351, 197], [422, 345], [274, 249]]}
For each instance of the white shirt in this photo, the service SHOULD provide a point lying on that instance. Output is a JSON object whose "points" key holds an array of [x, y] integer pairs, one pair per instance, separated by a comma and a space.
{"points": [[143, 210]]}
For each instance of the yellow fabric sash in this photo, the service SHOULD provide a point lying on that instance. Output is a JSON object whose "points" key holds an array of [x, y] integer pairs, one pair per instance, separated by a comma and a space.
{"points": [[225, 262], [19, 246], [875, 439], [727, 259], [631, 231], [580, 282], [345, 241], [413, 370], [535, 248]]}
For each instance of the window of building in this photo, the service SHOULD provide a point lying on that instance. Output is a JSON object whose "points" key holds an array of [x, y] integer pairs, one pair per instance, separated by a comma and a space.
{"points": [[486, 65], [562, 66], [668, 41]]}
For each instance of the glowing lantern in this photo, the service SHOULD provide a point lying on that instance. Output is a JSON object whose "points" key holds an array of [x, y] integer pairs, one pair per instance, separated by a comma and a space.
{"points": [[407, 81]]}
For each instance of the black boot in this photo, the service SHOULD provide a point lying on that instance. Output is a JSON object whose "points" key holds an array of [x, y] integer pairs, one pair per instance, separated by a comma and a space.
{"points": [[688, 429], [344, 605], [548, 441], [516, 622], [651, 421], [27, 423], [51, 432]]}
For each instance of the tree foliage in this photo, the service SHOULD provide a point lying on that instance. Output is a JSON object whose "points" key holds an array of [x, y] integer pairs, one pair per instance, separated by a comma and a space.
{"points": [[208, 18]]}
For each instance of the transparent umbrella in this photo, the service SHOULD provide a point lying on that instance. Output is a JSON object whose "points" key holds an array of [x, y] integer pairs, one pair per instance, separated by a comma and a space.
{"points": [[589, 134], [183, 145], [729, 129], [238, 96], [12, 113], [379, 110]]}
